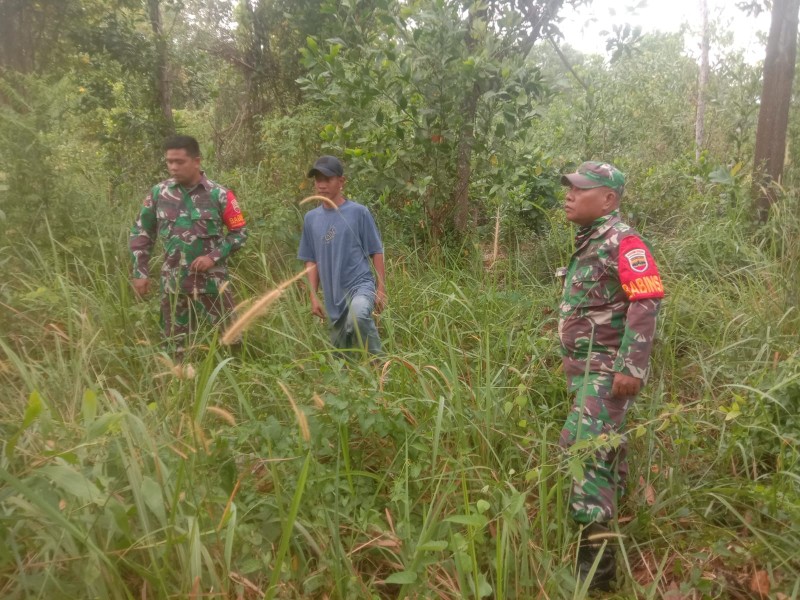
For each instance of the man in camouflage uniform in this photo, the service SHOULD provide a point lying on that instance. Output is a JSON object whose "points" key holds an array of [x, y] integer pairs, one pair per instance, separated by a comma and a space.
{"points": [[187, 212], [607, 321]]}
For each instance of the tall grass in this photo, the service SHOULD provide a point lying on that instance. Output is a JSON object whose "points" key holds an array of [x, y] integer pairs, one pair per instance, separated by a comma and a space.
{"points": [[436, 476]]}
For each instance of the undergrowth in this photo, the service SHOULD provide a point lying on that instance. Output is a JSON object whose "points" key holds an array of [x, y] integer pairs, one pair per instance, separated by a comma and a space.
{"points": [[436, 475]]}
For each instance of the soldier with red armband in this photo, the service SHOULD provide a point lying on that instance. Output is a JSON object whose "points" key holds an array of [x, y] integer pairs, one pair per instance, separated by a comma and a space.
{"points": [[607, 322], [200, 224]]}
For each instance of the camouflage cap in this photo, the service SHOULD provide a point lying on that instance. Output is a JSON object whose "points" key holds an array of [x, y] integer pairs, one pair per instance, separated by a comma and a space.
{"points": [[592, 174]]}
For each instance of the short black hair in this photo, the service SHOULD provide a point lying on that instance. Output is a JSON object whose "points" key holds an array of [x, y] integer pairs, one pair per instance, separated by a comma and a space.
{"points": [[183, 142]]}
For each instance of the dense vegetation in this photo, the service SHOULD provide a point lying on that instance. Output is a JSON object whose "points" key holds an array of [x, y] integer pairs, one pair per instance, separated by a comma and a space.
{"points": [[285, 473]]}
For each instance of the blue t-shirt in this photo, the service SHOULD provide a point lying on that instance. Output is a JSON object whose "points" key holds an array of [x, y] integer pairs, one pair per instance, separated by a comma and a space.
{"points": [[341, 241]]}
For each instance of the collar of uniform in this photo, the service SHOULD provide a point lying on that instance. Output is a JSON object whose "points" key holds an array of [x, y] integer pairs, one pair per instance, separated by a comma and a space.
{"points": [[597, 228], [204, 181]]}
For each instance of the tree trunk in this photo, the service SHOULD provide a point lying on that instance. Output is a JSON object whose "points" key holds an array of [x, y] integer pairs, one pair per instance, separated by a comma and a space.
{"points": [[163, 83], [459, 201], [702, 85], [16, 45], [773, 115]]}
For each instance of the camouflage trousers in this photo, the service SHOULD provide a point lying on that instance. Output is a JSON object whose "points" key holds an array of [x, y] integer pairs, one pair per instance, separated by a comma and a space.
{"points": [[182, 315], [596, 413]]}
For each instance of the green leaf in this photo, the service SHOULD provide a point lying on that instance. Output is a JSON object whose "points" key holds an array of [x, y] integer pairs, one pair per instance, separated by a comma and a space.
{"points": [[32, 412], [151, 492], [471, 520], [89, 407], [514, 505], [482, 506], [732, 412], [402, 577], [463, 561], [103, 424], [433, 546], [311, 43], [119, 515], [73, 483], [484, 587], [576, 469]]}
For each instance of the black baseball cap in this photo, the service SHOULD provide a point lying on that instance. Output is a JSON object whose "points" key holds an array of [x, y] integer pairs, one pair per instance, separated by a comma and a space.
{"points": [[327, 165]]}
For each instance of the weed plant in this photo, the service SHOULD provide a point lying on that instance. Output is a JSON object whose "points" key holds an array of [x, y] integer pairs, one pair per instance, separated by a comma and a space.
{"points": [[287, 473]]}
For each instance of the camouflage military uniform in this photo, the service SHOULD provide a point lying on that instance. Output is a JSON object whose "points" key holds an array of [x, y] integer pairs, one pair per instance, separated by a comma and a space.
{"points": [[189, 224], [607, 321]]}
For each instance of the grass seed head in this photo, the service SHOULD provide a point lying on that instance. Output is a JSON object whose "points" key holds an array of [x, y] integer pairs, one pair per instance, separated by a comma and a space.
{"points": [[324, 199], [258, 308]]}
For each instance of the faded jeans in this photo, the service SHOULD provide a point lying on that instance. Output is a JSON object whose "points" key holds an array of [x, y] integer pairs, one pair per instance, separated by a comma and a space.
{"points": [[355, 329]]}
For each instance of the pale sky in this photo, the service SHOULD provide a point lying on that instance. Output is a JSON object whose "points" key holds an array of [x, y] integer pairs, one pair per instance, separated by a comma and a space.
{"points": [[582, 27]]}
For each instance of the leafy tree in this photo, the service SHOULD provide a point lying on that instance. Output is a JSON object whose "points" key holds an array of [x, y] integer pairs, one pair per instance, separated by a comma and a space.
{"points": [[416, 101], [33, 35]]}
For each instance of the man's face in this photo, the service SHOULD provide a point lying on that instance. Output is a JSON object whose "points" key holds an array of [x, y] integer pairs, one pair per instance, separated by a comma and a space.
{"points": [[583, 207], [330, 187], [184, 168]]}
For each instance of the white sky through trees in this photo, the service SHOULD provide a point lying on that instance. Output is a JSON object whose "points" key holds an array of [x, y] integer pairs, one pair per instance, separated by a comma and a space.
{"points": [[582, 27]]}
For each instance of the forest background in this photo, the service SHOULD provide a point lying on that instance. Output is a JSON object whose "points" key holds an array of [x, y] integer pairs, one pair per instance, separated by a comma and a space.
{"points": [[282, 473]]}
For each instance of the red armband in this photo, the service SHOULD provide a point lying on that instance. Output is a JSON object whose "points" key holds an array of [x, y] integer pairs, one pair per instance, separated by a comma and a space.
{"points": [[638, 273], [233, 217]]}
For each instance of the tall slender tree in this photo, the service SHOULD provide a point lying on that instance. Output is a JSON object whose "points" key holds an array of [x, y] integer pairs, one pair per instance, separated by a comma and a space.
{"points": [[163, 85], [773, 116], [702, 84]]}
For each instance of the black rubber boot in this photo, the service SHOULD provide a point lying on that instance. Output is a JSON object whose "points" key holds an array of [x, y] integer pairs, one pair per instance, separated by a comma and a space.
{"points": [[592, 540]]}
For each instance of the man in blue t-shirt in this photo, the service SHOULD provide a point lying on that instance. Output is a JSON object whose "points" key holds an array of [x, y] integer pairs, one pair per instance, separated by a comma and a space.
{"points": [[339, 240]]}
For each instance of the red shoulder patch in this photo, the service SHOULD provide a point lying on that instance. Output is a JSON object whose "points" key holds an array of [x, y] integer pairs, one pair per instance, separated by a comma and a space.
{"points": [[232, 215], [638, 273]]}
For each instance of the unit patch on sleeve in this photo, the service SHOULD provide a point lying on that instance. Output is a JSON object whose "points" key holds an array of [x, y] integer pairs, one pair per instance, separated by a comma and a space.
{"points": [[638, 273], [233, 217]]}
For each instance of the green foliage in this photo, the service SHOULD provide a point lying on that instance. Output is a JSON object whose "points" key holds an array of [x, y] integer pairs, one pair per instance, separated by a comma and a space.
{"points": [[398, 102], [439, 473]]}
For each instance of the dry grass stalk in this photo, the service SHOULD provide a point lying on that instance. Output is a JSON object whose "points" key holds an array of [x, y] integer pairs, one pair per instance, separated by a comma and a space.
{"points": [[496, 246], [222, 414], [302, 421], [228, 505], [178, 452], [244, 581], [324, 200], [385, 370], [257, 309], [182, 371]]}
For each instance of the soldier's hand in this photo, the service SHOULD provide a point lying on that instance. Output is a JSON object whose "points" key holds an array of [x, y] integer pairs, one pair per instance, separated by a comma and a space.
{"points": [[625, 386], [201, 264], [141, 287], [316, 308]]}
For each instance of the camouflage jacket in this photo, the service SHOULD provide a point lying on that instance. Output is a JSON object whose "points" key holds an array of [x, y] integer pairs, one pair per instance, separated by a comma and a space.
{"points": [[189, 224], [612, 293]]}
